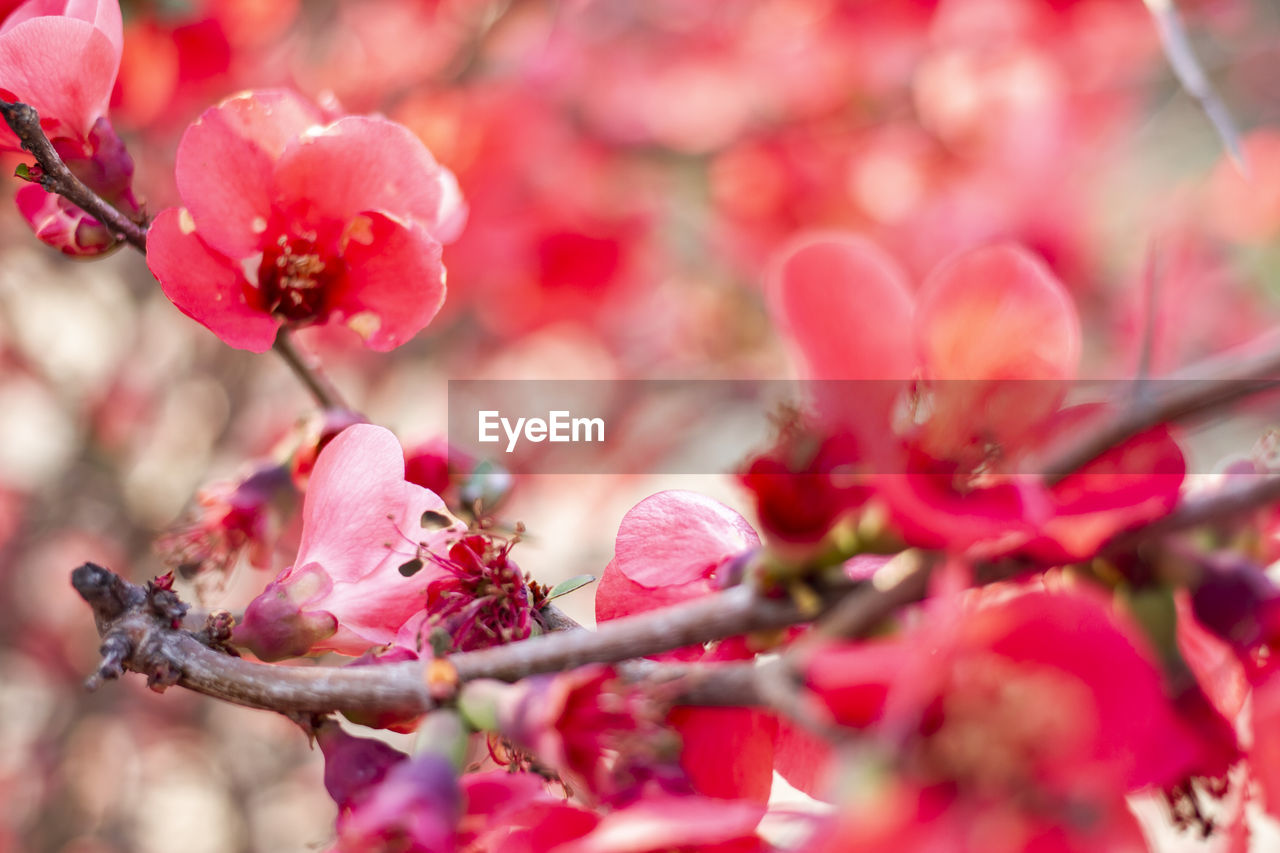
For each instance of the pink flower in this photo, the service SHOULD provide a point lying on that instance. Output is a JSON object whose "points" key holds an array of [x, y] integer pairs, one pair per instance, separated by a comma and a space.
{"points": [[676, 546], [289, 220], [232, 516], [363, 565], [62, 58]]}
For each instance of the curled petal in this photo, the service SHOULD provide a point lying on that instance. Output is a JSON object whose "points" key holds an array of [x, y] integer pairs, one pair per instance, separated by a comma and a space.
{"points": [[204, 284], [677, 537], [359, 514], [59, 223]]}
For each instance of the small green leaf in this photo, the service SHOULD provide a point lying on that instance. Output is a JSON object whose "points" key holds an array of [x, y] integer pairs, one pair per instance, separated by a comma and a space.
{"points": [[567, 586], [24, 171]]}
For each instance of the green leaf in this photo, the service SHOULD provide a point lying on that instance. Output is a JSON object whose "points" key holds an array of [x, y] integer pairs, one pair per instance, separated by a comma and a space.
{"points": [[567, 586]]}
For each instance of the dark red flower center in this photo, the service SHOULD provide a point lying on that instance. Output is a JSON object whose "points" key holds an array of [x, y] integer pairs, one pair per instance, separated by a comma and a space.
{"points": [[295, 277]]}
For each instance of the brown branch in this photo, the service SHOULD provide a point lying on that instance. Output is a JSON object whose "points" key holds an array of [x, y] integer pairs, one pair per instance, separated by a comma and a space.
{"points": [[308, 372], [1206, 509], [138, 636], [57, 178], [1182, 398]]}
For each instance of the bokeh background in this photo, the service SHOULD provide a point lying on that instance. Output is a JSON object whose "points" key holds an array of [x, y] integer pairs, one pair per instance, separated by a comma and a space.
{"points": [[631, 166]]}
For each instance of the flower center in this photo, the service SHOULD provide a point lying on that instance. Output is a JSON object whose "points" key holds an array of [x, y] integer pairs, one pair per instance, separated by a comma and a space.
{"points": [[294, 277]]}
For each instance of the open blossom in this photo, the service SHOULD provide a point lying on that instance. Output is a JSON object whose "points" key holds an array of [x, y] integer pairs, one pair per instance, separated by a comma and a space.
{"points": [[362, 568], [61, 58], [1015, 725], [287, 219], [948, 396]]}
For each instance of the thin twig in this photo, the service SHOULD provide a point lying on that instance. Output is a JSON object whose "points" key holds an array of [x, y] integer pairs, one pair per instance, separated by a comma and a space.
{"points": [[58, 179], [1180, 399], [1177, 48], [308, 372], [140, 637], [1223, 505]]}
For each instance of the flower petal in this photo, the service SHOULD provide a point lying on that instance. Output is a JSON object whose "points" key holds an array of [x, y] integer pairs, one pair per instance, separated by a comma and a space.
{"points": [[64, 67], [394, 284], [727, 752], [359, 514], [226, 160], [361, 163], [844, 307], [205, 285], [677, 537], [996, 313]]}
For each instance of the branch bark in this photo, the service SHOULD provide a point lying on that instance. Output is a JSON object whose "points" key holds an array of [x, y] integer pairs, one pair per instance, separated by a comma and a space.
{"points": [[57, 178], [141, 633], [1184, 396], [313, 378]]}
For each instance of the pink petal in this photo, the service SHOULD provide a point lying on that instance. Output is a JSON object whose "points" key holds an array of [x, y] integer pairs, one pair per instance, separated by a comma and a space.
{"points": [[394, 284], [618, 596], [225, 164], [453, 212], [360, 517], [104, 15], [360, 163], [677, 537], [844, 308], [1264, 757], [996, 313], [205, 285], [63, 67], [1129, 485], [726, 752]]}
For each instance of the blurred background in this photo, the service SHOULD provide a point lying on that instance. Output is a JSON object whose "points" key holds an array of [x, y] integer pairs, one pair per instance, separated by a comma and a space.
{"points": [[631, 166]]}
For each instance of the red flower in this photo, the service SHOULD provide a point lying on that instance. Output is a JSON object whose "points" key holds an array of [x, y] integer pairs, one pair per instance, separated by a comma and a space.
{"points": [[1031, 718], [363, 565], [947, 395], [288, 220]]}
